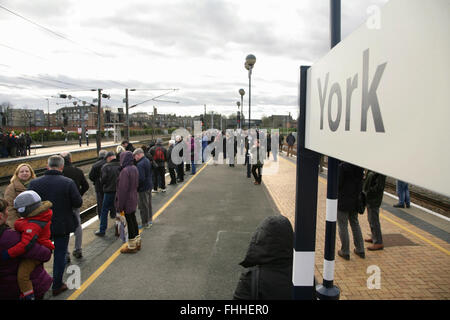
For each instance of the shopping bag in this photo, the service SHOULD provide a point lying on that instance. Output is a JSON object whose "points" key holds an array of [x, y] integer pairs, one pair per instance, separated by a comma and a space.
{"points": [[123, 230]]}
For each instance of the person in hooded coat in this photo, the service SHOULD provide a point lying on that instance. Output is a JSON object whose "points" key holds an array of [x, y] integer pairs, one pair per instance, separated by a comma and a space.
{"points": [[41, 280], [127, 198], [269, 259]]}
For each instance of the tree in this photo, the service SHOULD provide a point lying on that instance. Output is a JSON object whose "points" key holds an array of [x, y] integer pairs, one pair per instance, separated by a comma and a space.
{"points": [[266, 122]]}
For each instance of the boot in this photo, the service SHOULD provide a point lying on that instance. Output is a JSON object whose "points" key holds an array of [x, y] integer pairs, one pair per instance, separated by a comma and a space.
{"points": [[374, 247], [130, 247], [138, 242]]}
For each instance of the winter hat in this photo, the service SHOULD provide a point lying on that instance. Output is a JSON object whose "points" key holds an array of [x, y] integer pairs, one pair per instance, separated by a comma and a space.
{"points": [[110, 154], [27, 202]]}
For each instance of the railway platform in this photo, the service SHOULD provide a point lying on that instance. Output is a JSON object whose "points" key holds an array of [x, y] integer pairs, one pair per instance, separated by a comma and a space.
{"points": [[202, 229]]}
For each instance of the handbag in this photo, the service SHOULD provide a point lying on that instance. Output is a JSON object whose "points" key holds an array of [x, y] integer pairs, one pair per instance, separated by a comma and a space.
{"points": [[123, 229]]}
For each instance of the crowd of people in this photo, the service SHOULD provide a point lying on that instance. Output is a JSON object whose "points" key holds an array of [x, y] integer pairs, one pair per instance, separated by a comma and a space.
{"points": [[37, 215], [12, 145]]}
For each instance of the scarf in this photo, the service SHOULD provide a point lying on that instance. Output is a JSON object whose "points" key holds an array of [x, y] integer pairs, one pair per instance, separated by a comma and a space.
{"points": [[25, 183]]}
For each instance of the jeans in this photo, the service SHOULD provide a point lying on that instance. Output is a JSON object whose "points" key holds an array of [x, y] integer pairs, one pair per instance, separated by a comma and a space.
{"points": [[145, 206], [78, 231], [108, 204], [343, 218], [193, 167], [59, 260], [403, 193], [373, 215], [99, 197]]}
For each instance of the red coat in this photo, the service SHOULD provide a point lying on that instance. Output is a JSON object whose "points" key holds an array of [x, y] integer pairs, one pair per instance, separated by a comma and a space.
{"points": [[35, 227]]}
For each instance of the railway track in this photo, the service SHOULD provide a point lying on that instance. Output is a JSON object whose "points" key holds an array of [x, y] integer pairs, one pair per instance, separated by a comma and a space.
{"points": [[423, 200], [39, 172]]}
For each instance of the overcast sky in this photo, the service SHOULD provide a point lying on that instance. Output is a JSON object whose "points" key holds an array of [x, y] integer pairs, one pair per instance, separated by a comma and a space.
{"points": [[196, 46]]}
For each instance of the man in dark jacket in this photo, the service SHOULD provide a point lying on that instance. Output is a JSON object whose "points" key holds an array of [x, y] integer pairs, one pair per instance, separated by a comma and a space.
{"points": [[269, 259], [144, 188], [77, 175], [64, 195], [127, 145], [159, 156], [108, 182], [94, 176], [12, 143], [373, 189], [290, 139], [350, 186], [28, 142], [172, 166]]}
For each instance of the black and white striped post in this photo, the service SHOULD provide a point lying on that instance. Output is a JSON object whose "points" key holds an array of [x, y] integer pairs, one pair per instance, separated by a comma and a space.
{"points": [[305, 207], [327, 290]]}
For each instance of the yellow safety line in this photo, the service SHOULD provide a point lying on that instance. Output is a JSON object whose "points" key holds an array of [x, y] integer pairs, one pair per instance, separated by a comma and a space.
{"points": [[417, 235], [393, 222], [114, 256]]}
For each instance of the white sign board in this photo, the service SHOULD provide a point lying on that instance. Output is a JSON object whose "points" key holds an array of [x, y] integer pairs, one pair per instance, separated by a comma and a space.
{"points": [[380, 98]]}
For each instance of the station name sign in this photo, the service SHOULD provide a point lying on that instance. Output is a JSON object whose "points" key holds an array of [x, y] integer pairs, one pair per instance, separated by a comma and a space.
{"points": [[379, 99]]}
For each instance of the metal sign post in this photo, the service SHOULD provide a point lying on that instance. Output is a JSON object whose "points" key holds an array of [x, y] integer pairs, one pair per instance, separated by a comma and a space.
{"points": [[305, 206]]}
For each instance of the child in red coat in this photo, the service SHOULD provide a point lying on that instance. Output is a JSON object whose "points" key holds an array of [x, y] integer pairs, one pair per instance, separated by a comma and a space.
{"points": [[34, 225]]}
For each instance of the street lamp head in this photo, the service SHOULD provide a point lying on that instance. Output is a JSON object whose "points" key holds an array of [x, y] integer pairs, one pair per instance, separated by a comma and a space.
{"points": [[250, 60], [241, 92], [238, 103]]}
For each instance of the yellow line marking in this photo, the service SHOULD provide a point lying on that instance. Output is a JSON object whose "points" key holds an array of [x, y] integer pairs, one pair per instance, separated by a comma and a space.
{"points": [[323, 180], [114, 256]]}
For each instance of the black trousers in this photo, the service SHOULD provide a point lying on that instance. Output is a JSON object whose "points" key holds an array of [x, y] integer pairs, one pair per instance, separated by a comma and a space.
{"points": [[173, 176], [132, 225], [180, 172], [154, 178], [160, 178], [257, 176]]}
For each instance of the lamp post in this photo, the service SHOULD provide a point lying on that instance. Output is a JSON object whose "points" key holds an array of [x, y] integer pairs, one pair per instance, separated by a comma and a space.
{"points": [[127, 132], [242, 93], [99, 105], [48, 113], [238, 116], [249, 63]]}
